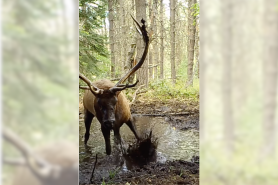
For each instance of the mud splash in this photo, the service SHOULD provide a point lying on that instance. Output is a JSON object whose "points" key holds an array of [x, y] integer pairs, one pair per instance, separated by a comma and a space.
{"points": [[178, 141], [174, 144]]}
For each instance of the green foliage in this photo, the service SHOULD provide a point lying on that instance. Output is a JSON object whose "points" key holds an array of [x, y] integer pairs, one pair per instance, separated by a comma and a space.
{"points": [[103, 182], [93, 52], [164, 89], [196, 8], [113, 173], [196, 11]]}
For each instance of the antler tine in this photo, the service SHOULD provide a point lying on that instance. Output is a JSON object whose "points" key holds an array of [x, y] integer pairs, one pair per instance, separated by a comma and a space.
{"points": [[132, 85], [137, 25], [122, 87], [138, 30], [140, 63], [90, 84], [32, 160], [84, 87]]}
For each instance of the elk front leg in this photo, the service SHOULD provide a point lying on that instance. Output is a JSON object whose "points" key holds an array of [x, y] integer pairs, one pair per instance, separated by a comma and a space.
{"points": [[117, 136], [106, 135], [132, 127], [119, 141], [88, 121]]}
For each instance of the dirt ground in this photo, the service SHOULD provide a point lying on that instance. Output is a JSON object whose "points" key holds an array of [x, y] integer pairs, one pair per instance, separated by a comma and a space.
{"points": [[171, 172], [183, 116]]}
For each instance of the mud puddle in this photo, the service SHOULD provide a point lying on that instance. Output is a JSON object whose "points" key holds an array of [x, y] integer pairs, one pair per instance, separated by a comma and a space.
{"points": [[174, 144]]}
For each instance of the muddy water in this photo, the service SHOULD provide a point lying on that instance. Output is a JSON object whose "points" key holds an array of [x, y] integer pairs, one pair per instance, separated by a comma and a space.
{"points": [[173, 144]]}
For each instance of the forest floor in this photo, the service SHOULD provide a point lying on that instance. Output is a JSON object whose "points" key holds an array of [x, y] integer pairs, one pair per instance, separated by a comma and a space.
{"points": [[183, 115]]}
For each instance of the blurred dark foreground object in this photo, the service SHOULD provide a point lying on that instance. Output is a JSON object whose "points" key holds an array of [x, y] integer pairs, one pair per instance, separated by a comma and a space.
{"points": [[143, 151]]}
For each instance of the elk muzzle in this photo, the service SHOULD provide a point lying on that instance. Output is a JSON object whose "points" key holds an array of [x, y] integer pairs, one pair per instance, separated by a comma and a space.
{"points": [[109, 124]]}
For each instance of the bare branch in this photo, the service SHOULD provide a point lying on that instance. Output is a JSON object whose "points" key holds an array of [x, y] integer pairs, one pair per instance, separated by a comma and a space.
{"points": [[134, 95]]}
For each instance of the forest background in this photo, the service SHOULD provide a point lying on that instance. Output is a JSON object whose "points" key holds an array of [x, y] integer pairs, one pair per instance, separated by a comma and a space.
{"points": [[109, 44]]}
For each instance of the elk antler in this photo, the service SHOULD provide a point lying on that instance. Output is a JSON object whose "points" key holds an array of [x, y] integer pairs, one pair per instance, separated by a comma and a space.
{"points": [[40, 167], [140, 63], [84, 87], [122, 87], [90, 84]]}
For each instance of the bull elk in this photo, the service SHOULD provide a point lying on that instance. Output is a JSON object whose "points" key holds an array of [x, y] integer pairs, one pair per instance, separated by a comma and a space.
{"points": [[105, 101]]}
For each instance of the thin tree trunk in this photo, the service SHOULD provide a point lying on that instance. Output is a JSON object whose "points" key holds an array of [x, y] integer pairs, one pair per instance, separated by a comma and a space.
{"points": [[173, 42], [143, 71], [151, 46], [118, 40], [161, 41], [105, 28], [129, 63], [153, 53], [111, 37], [123, 29], [155, 45], [191, 43], [197, 67], [270, 76], [179, 36]]}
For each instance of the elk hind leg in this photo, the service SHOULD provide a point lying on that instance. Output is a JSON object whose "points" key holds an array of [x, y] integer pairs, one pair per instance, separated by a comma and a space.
{"points": [[88, 121]]}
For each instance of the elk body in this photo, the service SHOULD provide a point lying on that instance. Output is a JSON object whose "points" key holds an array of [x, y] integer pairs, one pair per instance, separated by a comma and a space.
{"points": [[105, 101], [110, 108]]}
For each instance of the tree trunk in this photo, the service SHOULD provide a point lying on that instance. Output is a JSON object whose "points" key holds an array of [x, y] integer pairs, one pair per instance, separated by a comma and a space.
{"points": [[173, 44], [153, 53], [129, 63], [105, 27], [204, 58], [197, 67], [151, 46], [143, 71], [111, 36], [270, 76], [155, 45], [118, 41], [161, 41], [191, 43], [179, 36], [228, 115], [123, 37]]}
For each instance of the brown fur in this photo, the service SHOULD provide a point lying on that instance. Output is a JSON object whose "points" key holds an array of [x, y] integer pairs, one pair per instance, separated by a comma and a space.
{"points": [[110, 108], [122, 107]]}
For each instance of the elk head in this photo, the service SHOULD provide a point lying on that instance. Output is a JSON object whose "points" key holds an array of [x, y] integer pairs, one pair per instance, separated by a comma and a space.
{"points": [[105, 101]]}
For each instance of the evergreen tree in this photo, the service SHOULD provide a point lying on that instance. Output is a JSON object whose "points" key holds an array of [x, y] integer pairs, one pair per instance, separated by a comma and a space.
{"points": [[92, 44]]}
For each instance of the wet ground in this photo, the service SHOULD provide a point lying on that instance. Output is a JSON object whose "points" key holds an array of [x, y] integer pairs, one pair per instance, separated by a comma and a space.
{"points": [[176, 161]]}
